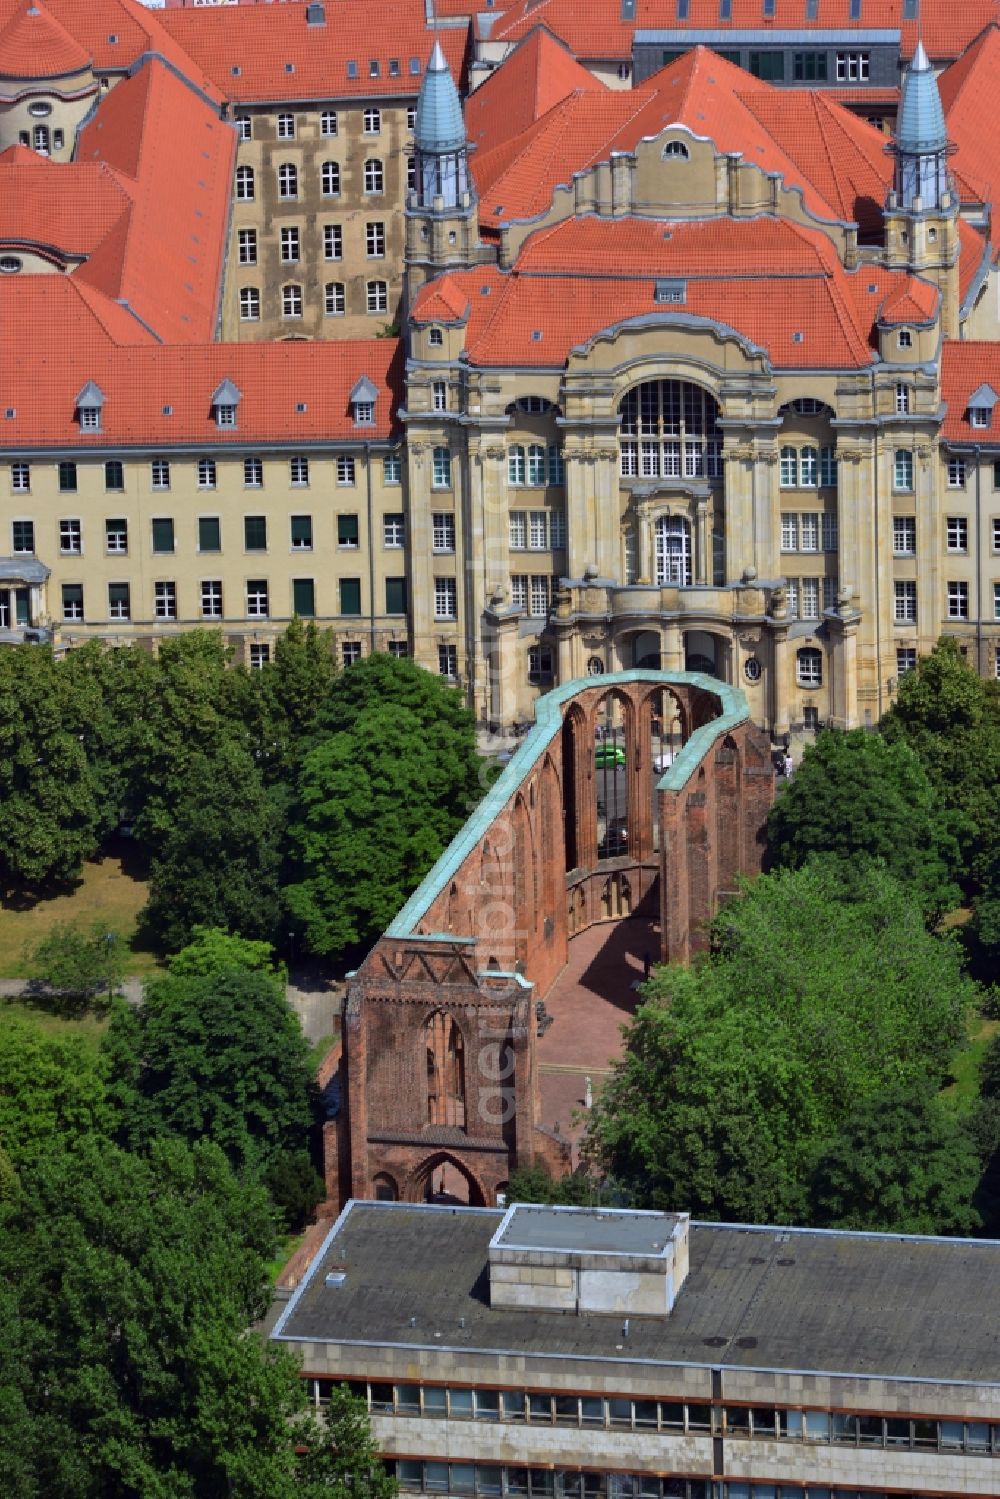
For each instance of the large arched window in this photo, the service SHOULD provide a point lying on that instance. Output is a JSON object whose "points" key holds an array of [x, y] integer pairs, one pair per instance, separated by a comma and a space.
{"points": [[673, 551], [670, 430], [444, 1051]]}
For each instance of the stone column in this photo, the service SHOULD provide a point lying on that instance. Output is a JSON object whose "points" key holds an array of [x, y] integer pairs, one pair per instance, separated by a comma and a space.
{"points": [[842, 625], [701, 542]]}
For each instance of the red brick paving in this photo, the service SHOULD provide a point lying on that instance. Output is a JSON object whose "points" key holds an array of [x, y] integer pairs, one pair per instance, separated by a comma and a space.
{"points": [[589, 1002]]}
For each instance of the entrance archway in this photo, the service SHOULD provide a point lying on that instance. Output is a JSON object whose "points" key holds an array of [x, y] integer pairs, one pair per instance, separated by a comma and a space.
{"points": [[443, 1178], [706, 653], [646, 650]]}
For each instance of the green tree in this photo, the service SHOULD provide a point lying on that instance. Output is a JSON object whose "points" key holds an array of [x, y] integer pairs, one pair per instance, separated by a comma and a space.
{"points": [[736, 1072], [78, 963], [857, 796], [284, 701], [128, 1369], [217, 862], [211, 950], [579, 1189], [340, 1459], [377, 801], [51, 1092], [50, 817], [900, 1162], [219, 1057]]}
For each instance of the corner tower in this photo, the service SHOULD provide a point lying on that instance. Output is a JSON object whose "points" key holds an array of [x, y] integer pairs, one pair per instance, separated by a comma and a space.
{"points": [[442, 222], [921, 211]]}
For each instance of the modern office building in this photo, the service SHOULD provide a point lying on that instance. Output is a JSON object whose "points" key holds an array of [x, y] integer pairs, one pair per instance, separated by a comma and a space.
{"points": [[591, 1353]]}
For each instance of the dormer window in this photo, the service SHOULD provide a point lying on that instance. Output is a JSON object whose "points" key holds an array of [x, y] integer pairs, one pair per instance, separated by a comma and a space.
{"points": [[88, 407], [225, 400], [670, 291], [435, 338], [904, 339], [675, 149], [363, 398], [981, 404]]}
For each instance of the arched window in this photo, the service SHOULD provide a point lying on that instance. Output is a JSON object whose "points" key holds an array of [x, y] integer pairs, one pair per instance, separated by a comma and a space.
{"points": [[288, 180], [291, 301], [244, 184], [40, 139], [374, 176], [385, 1188], [809, 667], [673, 551], [515, 465], [670, 429], [330, 178], [676, 149], [444, 1054]]}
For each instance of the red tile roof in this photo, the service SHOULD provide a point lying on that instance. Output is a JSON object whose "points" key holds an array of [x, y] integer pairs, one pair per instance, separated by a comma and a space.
{"points": [[777, 284], [137, 383], [910, 301], [964, 367], [591, 29], [443, 302], [48, 318], [969, 90], [34, 45], [837, 160], [538, 74], [69, 207], [174, 158], [269, 52]]}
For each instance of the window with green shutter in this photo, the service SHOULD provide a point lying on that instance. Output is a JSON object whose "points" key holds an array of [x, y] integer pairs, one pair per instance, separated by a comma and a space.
{"points": [[350, 595], [163, 535], [209, 533], [395, 595], [347, 530], [304, 597], [302, 533], [255, 533]]}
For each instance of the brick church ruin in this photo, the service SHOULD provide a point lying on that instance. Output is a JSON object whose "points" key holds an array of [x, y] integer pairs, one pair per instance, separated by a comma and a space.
{"points": [[639, 792]]}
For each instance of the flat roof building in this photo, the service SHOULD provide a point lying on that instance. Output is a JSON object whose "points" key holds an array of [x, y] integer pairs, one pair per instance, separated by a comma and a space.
{"points": [[789, 1364]]}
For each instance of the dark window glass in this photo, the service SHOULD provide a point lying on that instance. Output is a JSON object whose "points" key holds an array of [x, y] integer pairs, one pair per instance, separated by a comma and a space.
{"points": [[209, 534], [395, 597], [347, 530], [255, 533], [769, 65], [67, 478], [163, 535], [304, 597], [350, 595], [114, 474]]}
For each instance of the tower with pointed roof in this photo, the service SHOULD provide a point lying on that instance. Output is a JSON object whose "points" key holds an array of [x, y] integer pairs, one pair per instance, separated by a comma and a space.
{"points": [[921, 212], [442, 220]]}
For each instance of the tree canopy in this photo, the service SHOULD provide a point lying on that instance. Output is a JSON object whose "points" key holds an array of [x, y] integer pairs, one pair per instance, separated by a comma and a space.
{"points": [[219, 1057], [738, 1071], [858, 796]]}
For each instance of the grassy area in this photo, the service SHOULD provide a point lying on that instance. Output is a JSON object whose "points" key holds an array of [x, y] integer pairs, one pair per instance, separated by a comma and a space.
{"points": [[286, 1249], [964, 1086], [319, 1050], [88, 1027], [106, 892]]}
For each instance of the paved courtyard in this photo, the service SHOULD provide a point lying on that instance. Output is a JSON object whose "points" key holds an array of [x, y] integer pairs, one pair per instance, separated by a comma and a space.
{"points": [[589, 1002]]}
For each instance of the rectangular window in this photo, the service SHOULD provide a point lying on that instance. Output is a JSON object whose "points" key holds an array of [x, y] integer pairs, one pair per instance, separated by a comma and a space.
{"points": [[518, 529], [116, 535], [996, 534], [334, 298], [956, 473], [20, 477], [852, 67], [209, 533], [809, 536], [163, 534], [829, 531], [206, 473], [286, 127], [243, 127], [395, 595], [906, 660], [828, 467], [298, 471], [70, 537], [519, 591], [165, 600], [768, 65], [448, 661], [291, 301], [441, 469], [829, 593], [119, 601], [375, 240], [23, 533], [372, 121], [159, 473], [810, 598], [350, 652], [247, 240], [211, 598], [289, 244], [257, 599], [399, 649], [328, 122], [304, 597], [902, 469], [809, 67], [114, 475], [90, 419], [439, 395], [958, 600], [557, 530], [904, 602], [538, 530], [904, 535], [996, 600], [392, 469], [377, 296], [345, 469], [67, 478], [249, 304], [443, 531], [957, 533], [789, 533], [302, 533], [253, 473], [347, 531], [350, 595], [540, 670], [333, 242], [255, 533], [902, 399], [539, 596], [72, 601], [393, 529], [259, 656], [445, 598]]}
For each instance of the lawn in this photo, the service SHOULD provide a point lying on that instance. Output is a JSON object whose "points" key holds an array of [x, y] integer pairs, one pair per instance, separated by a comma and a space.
{"points": [[89, 1028], [963, 1089], [107, 893]]}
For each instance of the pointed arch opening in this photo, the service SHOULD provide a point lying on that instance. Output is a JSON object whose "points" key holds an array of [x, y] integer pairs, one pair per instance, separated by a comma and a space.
{"points": [[444, 1063]]}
